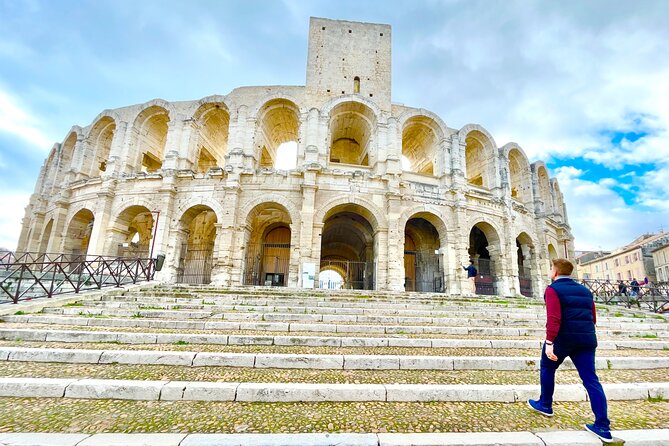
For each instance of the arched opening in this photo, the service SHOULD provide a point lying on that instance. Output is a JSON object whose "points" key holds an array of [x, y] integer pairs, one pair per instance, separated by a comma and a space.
{"points": [[331, 278], [100, 141], [483, 251], [552, 254], [279, 128], [546, 202], [132, 232], [46, 236], [356, 85], [347, 246], [520, 177], [66, 157], [525, 254], [214, 127], [351, 128], [419, 145], [151, 125], [268, 237], [197, 233], [479, 160], [422, 271], [560, 210], [79, 234]]}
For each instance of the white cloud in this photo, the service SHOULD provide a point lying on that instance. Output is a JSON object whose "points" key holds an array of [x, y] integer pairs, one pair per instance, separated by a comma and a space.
{"points": [[17, 121], [13, 208]]}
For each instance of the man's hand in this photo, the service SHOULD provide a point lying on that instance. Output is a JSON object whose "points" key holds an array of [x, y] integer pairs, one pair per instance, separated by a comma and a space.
{"points": [[549, 352]]}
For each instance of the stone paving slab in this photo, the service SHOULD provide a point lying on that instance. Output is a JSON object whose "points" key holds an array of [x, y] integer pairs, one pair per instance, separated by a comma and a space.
{"points": [[133, 440], [291, 392], [308, 361], [570, 438], [461, 439], [40, 439]]}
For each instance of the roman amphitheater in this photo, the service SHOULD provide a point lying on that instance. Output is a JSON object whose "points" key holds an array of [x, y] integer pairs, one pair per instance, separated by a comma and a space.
{"points": [[326, 185]]}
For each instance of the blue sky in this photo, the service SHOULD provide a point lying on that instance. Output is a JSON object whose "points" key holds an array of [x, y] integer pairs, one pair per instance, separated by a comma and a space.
{"points": [[582, 85]]}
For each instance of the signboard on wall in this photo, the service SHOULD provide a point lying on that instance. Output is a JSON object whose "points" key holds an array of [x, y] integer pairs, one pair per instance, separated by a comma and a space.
{"points": [[308, 275]]}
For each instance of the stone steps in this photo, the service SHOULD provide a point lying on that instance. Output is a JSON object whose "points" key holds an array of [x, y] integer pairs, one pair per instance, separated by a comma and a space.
{"points": [[123, 337], [639, 437], [303, 392], [314, 327], [307, 361]]}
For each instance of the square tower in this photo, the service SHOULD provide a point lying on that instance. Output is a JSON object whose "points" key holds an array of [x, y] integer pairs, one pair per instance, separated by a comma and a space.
{"points": [[348, 58]]}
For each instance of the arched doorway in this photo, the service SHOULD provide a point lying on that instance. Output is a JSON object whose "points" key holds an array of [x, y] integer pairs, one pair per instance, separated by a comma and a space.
{"points": [[79, 234], [132, 232], [198, 233], [422, 271], [267, 260], [483, 250], [352, 127], [347, 247], [525, 254]]}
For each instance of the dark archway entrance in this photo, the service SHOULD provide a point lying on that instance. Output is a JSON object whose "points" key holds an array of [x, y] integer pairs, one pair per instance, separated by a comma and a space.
{"points": [[525, 252], [267, 260], [347, 247], [480, 252], [198, 226], [422, 271]]}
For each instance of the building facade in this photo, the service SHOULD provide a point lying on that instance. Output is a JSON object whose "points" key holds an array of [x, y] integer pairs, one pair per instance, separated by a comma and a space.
{"points": [[661, 263], [633, 261], [382, 196]]}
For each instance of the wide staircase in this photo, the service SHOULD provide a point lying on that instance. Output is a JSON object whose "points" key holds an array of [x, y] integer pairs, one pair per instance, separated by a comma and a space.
{"points": [[193, 366]]}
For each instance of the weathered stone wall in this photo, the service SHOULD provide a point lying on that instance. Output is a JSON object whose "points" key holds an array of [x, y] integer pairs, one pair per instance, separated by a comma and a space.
{"points": [[167, 162]]}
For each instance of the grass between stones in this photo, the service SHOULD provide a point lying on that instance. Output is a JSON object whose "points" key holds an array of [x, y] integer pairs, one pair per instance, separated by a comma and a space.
{"points": [[405, 351], [231, 374], [96, 416]]}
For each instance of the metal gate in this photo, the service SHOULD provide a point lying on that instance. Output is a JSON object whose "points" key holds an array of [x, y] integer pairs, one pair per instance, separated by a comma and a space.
{"points": [[525, 281], [426, 272], [195, 263], [355, 275], [485, 279], [267, 264]]}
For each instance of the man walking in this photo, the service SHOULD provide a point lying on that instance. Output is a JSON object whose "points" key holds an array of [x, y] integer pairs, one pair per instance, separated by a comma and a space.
{"points": [[570, 331]]}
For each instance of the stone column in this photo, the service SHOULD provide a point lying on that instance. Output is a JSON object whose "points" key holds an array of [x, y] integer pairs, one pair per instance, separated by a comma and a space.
{"points": [[306, 225], [58, 229], [380, 242], [226, 252], [395, 243], [117, 150], [103, 214], [502, 279]]}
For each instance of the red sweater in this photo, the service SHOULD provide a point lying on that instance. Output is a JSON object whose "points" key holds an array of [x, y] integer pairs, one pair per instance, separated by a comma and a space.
{"points": [[554, 314]]}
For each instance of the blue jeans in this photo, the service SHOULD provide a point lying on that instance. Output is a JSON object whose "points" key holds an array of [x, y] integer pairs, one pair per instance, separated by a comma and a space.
{"points": [[584, 360]]}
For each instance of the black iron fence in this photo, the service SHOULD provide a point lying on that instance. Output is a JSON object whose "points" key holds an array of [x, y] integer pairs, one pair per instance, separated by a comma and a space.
{"points": [[525, 281], [648, 296], [354, 275], [63, 273], [485, 279], [195, 263], [267, 264]]}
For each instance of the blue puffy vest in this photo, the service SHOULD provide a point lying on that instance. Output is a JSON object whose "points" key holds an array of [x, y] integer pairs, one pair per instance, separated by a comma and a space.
{"points": [[577, 327]]}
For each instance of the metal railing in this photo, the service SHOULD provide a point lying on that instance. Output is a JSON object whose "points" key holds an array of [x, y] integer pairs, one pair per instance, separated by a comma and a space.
{"points": [[651, 296], [25, 280]]}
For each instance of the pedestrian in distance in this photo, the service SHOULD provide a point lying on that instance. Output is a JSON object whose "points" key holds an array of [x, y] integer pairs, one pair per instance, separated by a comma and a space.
{"points": [[471, 276], [570, 332]]}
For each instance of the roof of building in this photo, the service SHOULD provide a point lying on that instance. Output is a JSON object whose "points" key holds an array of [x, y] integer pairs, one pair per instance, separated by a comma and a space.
{"points": [[642, 241]]}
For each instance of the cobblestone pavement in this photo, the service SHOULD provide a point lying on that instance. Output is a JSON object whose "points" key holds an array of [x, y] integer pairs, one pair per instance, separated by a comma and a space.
{"points": [[230, 374], [96, 416], [408, 351]]}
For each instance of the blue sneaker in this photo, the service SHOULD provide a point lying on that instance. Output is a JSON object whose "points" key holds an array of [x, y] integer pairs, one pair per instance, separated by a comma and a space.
{"points": [[536, 405], [605, 436]]}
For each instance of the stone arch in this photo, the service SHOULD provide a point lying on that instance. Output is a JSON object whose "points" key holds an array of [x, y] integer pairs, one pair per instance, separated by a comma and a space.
{"points": [[99, 142], [195, 244], [526, 257], [348, 240], [480, 156], [150, 136], [429, 213], [275, 96], [485, 250], [193, 202], [131, 231], [424, 235], [78, 232], [421, 139], [368, 210], [544, 188], [559, 198], [290, 207], [268, 236], [223, 101], [352, 131], [520, 173], [50, 170], [552, 252], [46, 237], [277, 123], [326, 111], [67, 153], [213, 131]]}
